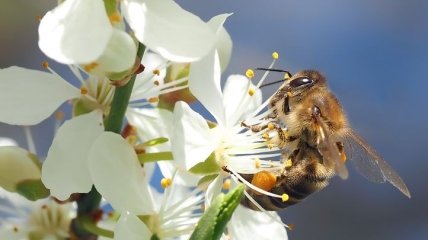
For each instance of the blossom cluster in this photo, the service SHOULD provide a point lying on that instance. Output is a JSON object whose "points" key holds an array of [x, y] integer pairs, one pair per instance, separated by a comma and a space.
{"points": [[166, 57]]}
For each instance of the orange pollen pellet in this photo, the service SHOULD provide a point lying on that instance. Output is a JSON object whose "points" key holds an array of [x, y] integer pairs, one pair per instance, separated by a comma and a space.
{"points": [[83, 90], [156, 72], [153, 100], [90, 67], [166, 182], [115, 17], [226, 184], [156, 82], [264, 180], [45, 64]]}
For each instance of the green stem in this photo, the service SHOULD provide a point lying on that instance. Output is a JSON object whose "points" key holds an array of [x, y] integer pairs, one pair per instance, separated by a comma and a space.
{"points": [[120, 101], [89, 203]]}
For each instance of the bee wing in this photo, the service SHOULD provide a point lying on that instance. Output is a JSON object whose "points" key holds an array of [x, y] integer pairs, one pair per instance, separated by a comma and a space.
{"points": [[329, 150], [370, 164]]}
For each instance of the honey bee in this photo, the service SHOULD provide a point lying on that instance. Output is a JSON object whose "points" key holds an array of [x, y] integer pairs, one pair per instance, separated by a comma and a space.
{"points": [[317, 137]]}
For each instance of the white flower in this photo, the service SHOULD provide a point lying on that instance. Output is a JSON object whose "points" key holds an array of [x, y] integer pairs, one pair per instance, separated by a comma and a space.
{"points": [[118, 176], [164, 27], [79, 32], [249, 224], [24, 219]]}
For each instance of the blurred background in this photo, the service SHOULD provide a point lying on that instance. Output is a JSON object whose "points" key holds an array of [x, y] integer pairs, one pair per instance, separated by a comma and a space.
{"points": [[375, 56]]}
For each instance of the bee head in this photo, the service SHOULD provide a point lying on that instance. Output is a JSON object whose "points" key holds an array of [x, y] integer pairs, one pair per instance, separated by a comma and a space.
{"points": [[303, 82]]}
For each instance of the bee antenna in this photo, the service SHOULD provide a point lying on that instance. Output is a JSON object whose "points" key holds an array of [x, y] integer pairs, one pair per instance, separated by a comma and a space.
{"points": [[287, 75], [273, 70], [272, 83]]}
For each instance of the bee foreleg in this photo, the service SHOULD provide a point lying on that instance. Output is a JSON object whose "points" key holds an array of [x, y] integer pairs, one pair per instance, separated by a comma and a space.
{"points": [[255, 127]]}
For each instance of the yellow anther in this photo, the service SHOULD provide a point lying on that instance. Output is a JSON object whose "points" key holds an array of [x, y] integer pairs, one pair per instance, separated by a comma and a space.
{"points": [[59, 115], [288, 163], [270, 163], [132, 139], [257, 163], [285, 197], [287, 76], [156, 82], [270, 145], [275, 55], [251, 91], [38, 18], [156, 72], [249, 73], [290, 227], [90, 67], [271, 126], [226, 184], [265, 136], [166, 182], [83, 90], [153, 100], [45, 64], [115, 17], [289, 94]]}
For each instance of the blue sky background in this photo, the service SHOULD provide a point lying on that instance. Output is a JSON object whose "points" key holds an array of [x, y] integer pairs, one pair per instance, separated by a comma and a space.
{"points": [[375, 56]]}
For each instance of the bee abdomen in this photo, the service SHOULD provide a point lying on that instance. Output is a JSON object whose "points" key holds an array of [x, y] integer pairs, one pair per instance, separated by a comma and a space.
{"points": [[296, 192]]}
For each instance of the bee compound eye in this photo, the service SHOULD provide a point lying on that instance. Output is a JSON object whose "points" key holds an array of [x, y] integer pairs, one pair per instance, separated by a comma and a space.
{"points": [[300, 81]]}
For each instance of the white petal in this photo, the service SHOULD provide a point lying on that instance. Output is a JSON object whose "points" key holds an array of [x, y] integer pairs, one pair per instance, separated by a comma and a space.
{"points": [[152, 123], [16, 165], [224, 41], [236, 100], [118, 175], [130, 227], [7, 142], [28, 96], [119, 55], [77, 31], [250, 224], [214, 189], [204, 83], [192, 139], [166, 28], [65, 169]]}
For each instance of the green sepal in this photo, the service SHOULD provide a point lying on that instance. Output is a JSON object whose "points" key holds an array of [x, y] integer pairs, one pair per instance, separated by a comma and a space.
{"points": [[154, 157], [206, 180], [213, 222], [82, 106], [32, 189], [154, 142], [209, 166]]}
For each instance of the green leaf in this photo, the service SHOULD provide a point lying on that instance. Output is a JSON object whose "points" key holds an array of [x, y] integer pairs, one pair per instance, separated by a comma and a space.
{"points": [[212, 224], [32, 189], [209, 166]]}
